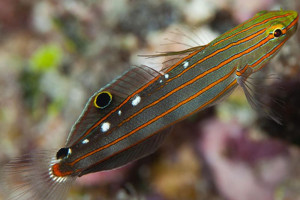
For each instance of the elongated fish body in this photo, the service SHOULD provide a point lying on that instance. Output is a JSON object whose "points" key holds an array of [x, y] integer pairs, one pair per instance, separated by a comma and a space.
{"points": [[125, 120]]}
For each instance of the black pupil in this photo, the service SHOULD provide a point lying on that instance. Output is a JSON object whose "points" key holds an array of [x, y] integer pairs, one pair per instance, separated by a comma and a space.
{"points": [[62, 153], [277, 33], [103, 100]]}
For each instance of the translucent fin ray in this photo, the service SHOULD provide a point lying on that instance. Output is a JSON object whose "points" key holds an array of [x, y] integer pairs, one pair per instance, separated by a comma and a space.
{"points": [[252, 93], [174, 53], [172, 57], [29, 178]]}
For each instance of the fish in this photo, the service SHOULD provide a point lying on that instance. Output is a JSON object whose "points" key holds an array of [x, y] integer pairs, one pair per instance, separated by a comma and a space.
{"points": [[125, 120]]}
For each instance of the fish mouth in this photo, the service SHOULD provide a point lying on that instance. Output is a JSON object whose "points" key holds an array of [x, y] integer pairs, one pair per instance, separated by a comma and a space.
{"points": [[294, 22]]}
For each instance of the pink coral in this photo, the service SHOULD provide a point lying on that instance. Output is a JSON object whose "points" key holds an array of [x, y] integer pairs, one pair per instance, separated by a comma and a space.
{"points": [[242, 169]]}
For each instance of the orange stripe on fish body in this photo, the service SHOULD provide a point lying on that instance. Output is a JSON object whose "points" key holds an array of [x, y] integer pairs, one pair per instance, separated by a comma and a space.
{"points": [[124, 120]]}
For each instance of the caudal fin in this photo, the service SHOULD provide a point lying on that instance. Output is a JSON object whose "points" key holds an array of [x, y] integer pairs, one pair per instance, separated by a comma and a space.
{"points": [[30, 178]]}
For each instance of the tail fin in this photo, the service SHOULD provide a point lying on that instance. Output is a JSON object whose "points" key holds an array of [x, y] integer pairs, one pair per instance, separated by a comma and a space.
{"points": [[30, 178]]}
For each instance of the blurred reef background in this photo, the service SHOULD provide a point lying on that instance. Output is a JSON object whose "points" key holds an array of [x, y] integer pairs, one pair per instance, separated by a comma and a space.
{"points": [[54, 54]]}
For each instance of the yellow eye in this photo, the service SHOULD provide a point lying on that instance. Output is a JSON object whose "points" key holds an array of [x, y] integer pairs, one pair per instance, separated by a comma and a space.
{"points": [[277, 30], [277, 33], [103, 99]]}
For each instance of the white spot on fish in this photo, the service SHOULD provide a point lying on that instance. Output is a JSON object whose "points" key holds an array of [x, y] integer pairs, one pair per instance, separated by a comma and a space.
{"points": [[166, 76], [119, 112], [185, 64], [136, 100], [85, 141], [105, 126], [161, 81]]}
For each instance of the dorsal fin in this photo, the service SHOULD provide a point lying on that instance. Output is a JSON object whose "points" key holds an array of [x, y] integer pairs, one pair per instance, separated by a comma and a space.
{"points": [[172, 57], [175, 53], [120, 89]]}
